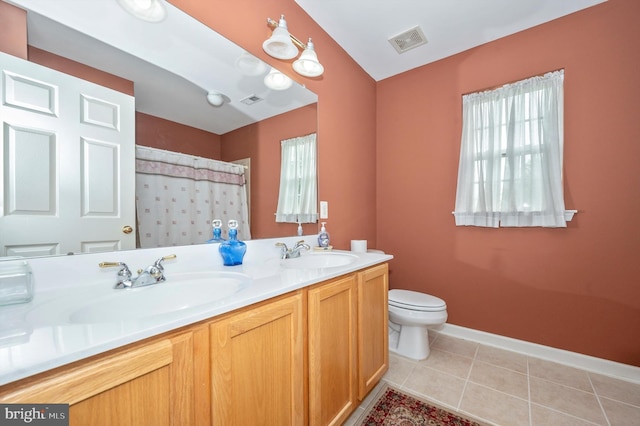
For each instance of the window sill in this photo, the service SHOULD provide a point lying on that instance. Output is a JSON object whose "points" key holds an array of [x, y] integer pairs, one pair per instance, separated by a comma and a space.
{"points": [[568, 214]]}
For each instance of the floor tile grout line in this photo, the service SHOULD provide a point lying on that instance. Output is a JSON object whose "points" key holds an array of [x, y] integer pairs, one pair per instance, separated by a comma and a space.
{"points": [[573, 416], [564, 385], [466, 381], [617, 401], [595, 392]]}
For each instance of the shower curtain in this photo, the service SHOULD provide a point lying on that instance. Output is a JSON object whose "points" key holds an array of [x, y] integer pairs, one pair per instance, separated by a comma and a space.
{"points": [[179, 195]]}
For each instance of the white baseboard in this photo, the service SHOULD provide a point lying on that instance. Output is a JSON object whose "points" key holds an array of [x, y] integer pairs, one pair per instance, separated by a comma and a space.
{"points": [[573, 359]]}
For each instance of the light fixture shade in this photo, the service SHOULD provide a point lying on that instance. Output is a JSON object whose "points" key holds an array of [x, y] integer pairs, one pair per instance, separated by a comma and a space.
{"points": [[308, 65], [217, 99], [249, 65], [147, 10], [279, 45], [275, 80]]}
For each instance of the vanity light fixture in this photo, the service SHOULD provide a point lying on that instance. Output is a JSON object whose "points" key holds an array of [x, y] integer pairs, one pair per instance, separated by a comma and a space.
{"points": [[147, 10], [276, 80], [280, 44], [308, 65], [283, 45]]}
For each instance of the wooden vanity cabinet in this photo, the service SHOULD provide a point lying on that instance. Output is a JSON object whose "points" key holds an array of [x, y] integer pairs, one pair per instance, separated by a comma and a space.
{"points": [[152, 383], [373, 328], [257, 365], [332, 350], [307, 357], [347, 342]]}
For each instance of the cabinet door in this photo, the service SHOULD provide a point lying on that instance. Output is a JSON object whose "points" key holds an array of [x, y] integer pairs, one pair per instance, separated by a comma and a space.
{"points": [[258, 365], [373, 332], [332, 351], [152, 384]]}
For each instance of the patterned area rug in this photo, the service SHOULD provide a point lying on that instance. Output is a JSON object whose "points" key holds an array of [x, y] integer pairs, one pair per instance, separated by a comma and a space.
{"points": [[395, 408]]}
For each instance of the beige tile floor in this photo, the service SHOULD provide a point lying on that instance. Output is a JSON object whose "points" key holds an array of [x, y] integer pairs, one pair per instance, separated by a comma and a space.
{"points": [[507, 388]]}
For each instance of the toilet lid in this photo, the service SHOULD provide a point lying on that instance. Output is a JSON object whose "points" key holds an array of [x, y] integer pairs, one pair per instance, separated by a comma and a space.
{"points": [[415, 301]]}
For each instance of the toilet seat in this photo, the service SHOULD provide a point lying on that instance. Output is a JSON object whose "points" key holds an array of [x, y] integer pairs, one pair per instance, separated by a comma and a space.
{"points": [[415, 301]]}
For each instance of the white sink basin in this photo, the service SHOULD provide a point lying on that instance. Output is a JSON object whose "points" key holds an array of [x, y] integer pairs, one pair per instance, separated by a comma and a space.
{"points": [[181, 292], [319, 260]]}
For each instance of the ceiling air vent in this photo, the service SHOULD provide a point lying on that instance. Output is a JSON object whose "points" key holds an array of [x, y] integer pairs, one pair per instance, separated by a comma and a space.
{"points": [[408, 40], [250, 100]]}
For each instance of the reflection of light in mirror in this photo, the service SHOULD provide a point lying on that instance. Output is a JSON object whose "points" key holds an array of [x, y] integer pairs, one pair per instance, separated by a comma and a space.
{"points": [[249, 65], [276, 80], [147, 10], [216, 99]]}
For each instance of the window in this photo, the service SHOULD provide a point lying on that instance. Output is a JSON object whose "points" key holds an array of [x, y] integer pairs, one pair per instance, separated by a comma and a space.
{"points": [[297, 200], [510, 171]]}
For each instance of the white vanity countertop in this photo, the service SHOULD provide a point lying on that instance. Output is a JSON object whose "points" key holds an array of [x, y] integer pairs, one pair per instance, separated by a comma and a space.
{"points": [[34, 337]]}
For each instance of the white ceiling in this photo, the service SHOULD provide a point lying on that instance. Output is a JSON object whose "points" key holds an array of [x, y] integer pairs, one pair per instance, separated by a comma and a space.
{"points": [[174, 63], [362, 27]]}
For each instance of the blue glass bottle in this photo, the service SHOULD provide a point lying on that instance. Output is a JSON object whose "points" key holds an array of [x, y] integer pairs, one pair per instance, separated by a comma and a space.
{"points": [[217, 232], [232, 250]]}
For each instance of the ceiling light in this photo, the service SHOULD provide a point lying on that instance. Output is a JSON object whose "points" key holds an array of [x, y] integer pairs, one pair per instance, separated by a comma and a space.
{"points": [[275, 80], [308, 65], [282, 45], [249, 65], [147, 10], [279, 45], [217, 99]]}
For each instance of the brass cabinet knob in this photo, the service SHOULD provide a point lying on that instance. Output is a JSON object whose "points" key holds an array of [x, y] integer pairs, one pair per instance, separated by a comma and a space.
{"points": [[127, 229]]}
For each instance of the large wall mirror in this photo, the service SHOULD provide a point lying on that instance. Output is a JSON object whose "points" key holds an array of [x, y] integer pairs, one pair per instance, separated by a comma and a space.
{"points": [[173, 66]]}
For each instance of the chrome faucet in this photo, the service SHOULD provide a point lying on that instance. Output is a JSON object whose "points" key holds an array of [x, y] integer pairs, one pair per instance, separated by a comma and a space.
{"points": [[287, 253], [152, 274]]}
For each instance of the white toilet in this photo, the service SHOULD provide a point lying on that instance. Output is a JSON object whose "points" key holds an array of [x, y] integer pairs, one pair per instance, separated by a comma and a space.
{"points": [[410, 314]]}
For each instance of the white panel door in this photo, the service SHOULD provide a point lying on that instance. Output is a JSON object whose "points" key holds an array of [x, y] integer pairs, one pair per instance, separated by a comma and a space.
{"points": [[67, 166]]}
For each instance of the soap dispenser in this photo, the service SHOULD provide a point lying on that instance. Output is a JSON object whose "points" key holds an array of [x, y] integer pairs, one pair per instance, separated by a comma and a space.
{"points": [[323, 237], [217, 232], [232, 250]]}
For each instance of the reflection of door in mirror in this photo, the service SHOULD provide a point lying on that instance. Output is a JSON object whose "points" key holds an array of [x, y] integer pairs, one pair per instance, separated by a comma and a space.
{"points": [[49, 117]]}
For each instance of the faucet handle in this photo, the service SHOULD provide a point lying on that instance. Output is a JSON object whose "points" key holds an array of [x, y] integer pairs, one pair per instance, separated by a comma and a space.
{"points": [[124, 274], [124, 270], [157, 270], [158, 263]]}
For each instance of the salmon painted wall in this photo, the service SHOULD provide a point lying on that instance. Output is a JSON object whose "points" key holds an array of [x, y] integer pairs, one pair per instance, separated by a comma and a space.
{"points": [[13, 30], [164, 134], [346, 107], [576, 288], [261, 143]]}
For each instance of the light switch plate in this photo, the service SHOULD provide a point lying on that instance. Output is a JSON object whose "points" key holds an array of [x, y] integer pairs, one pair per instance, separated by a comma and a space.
{"points": [[324, 210]]}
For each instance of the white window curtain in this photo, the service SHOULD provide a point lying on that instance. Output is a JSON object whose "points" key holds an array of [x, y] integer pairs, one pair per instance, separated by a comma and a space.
{"points": [[297, 199], [178, 196], [510, 171]]}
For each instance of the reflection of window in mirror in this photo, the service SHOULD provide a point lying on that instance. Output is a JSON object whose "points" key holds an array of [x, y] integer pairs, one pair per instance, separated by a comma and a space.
{"points": [[297, 199]]}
